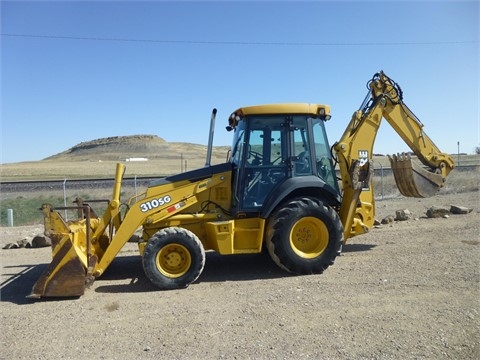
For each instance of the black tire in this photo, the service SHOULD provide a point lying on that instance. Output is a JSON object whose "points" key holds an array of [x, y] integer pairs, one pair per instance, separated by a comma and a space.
{"points": [[173, 258], [304, 236]]}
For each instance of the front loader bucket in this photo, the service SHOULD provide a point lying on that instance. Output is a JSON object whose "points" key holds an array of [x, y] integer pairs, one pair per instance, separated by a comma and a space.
{"points": [[64, 277], [68, 273], [412, 179]]}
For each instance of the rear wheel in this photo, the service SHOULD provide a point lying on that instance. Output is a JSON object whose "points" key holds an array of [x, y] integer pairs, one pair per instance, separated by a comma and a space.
{"points": [[304, 236], [173, 258]]}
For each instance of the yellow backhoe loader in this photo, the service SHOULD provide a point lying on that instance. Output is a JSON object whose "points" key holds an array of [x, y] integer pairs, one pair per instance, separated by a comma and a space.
{"points": [[278, 188]]}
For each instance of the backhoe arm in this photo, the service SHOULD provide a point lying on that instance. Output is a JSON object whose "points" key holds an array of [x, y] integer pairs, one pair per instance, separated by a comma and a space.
{"points": [[355, 149]]}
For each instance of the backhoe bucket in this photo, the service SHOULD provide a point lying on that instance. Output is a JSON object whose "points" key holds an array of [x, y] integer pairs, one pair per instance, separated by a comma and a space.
{"points": [[412, 179], [67, 274]]}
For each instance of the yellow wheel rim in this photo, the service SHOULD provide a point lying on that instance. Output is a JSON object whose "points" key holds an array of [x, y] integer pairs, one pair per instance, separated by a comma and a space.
{"points": [[173, 260], [309, 237]]}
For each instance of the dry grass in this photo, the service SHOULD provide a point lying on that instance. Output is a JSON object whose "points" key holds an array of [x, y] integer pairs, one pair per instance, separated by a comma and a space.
{"points": [[59, 170], [459, 181], [174, 163]]}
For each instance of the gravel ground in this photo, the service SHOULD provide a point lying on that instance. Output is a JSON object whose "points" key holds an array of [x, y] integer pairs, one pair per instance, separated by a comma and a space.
{"points": [[409, 290]]}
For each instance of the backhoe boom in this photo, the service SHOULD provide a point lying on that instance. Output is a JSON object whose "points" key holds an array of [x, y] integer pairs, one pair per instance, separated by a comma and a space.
{"points": [[355, 150]]}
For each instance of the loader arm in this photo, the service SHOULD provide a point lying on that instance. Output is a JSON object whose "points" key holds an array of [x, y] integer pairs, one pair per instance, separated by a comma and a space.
{"points": [[82, 250], [354, 153], [158, 205]]}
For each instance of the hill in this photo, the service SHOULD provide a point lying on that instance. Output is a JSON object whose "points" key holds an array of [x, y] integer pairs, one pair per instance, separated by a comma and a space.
{"points": [[98, 158], [119, 148]]}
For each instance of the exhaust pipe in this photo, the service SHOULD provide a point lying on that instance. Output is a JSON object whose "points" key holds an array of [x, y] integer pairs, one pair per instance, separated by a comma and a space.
{"points": [[210, 138]]}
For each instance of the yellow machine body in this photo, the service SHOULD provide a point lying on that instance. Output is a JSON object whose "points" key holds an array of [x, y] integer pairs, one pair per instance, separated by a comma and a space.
{"points": [[302, 218]]}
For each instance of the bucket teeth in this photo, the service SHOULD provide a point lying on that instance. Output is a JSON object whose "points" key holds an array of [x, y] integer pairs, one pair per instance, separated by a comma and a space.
{"points": [[412, 179]]}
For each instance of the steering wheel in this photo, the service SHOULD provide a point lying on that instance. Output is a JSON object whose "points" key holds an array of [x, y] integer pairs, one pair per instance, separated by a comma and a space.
{"points": [[302, 163], [279, 159], [257, 158]]}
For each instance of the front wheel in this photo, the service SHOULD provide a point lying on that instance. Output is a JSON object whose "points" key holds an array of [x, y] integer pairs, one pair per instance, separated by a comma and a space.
{"points": [[304, 236], [173, 258]]}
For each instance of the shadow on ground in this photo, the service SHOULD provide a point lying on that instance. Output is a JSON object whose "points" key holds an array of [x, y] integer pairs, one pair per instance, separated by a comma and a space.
{"points": [[357, 247], [19, 282], [218, 268], [20, 279]]}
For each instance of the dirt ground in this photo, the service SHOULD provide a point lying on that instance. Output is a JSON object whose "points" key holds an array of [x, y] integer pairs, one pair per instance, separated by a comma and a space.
{"points": [[409, 290]]}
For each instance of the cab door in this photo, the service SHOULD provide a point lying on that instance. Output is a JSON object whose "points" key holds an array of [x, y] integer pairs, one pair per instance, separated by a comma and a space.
{"points": [[265, 165], [260, 161]]}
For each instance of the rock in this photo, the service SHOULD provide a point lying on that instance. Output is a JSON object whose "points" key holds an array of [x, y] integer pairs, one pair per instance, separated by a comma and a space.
{"points": [[10, 246], [23, 243], [388, 220], [460, 210], [38, 241], [41, 241], [402, 215], [437, 212]]}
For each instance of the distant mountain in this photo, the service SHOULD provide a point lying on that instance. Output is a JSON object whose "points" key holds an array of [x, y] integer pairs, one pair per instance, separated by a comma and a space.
{"points": [[134, 146]]}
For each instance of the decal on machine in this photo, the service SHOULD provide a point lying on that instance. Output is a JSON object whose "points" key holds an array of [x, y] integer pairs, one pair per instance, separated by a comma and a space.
{"points": [[363, 157], [176, 207], [155, 203]]}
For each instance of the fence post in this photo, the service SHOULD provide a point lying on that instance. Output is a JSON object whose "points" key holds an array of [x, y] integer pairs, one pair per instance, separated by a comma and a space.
{"points": [[381, 178], [10, 217], [65, 199]]}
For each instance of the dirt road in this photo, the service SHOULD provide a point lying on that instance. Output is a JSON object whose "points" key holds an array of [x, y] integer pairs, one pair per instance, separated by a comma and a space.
{"points": [[409, 290]]}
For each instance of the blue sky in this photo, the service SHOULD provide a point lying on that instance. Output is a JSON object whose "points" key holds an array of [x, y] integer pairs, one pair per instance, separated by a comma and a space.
{"points": [[61, 87]]}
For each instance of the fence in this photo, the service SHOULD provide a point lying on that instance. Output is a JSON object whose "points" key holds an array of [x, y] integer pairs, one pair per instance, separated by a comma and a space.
{"points": [[19, 201]]}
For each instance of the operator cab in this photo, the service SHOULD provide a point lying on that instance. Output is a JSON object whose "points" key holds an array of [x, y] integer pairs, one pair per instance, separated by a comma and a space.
{"points": [[275, 143]]}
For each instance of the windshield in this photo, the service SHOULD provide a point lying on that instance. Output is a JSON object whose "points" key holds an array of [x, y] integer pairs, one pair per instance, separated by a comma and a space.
{"points": [[238, 142], [323, 155]]}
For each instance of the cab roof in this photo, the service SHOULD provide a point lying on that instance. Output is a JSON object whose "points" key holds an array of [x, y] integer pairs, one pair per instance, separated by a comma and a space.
{"points": [[286, 108]]}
